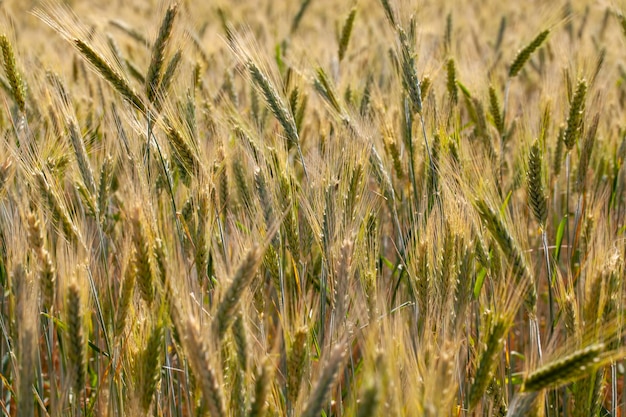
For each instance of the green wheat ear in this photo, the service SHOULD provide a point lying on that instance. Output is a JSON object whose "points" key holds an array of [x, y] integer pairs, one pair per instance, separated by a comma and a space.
{"points": [[511, 250], [346, 32], [524, 55], [153, 76], [76, 338], [13, 76], [536, 191], [453, 90], [107, 72], [574, 120], [565, 370]]}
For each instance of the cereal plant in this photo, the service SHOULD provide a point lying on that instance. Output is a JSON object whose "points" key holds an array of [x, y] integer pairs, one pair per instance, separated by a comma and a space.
{"points": [[312, 208]]}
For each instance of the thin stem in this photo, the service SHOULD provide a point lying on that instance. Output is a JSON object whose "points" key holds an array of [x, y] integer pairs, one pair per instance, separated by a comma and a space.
{"points": [[567, 166], [505, 102], [544, 238]]}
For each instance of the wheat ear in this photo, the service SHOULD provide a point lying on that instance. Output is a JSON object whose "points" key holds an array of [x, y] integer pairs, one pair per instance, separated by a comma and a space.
{"points": [[524, 55], [76, 338], [241, 280], [153, 76], [565, 370], [13, 76], [200, 364], [536, 190], [574, 120], [345, 33], [151, 367], [262, 387], [118, 82], [142, 259], [326, 382]]}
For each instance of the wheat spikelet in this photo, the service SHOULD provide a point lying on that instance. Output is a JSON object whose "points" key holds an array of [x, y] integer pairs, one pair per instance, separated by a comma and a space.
{"points": [[296, 364], [201, 255], [81, 157], [495, 342], [574, 120], [241, 280], [241, 183], [23, 348], [125, 300], [565, 370], [585, 153], [326, 89], [76, 338], [345, 33], [500, 233], [453, 90], [26, 360], [47, 273], [14, 78], [153, 76], [241, 341], [59, 214], [523, 55], [142, 258], [558, 152], [238, 391], [207, 379], [221, 170], [104, 187], [394, 152], [266, 202], [536, 191], [274, 101], [290, 222], [262, 387], [170, 71], [410, 80], [184, 152], [151, 367], [324, 385], [494, 110], [118, 82]]}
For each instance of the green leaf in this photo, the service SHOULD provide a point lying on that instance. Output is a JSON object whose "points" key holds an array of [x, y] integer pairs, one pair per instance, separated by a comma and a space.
{"points": [[506, 202], [480, 280], [559, 237]]}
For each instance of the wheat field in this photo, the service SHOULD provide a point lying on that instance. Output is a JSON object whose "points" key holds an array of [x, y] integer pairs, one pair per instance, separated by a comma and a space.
{"points": [[312, 208]]}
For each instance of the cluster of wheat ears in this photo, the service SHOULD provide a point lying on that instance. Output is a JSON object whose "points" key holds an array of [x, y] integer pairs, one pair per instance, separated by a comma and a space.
{"points": [[315, 208]]}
